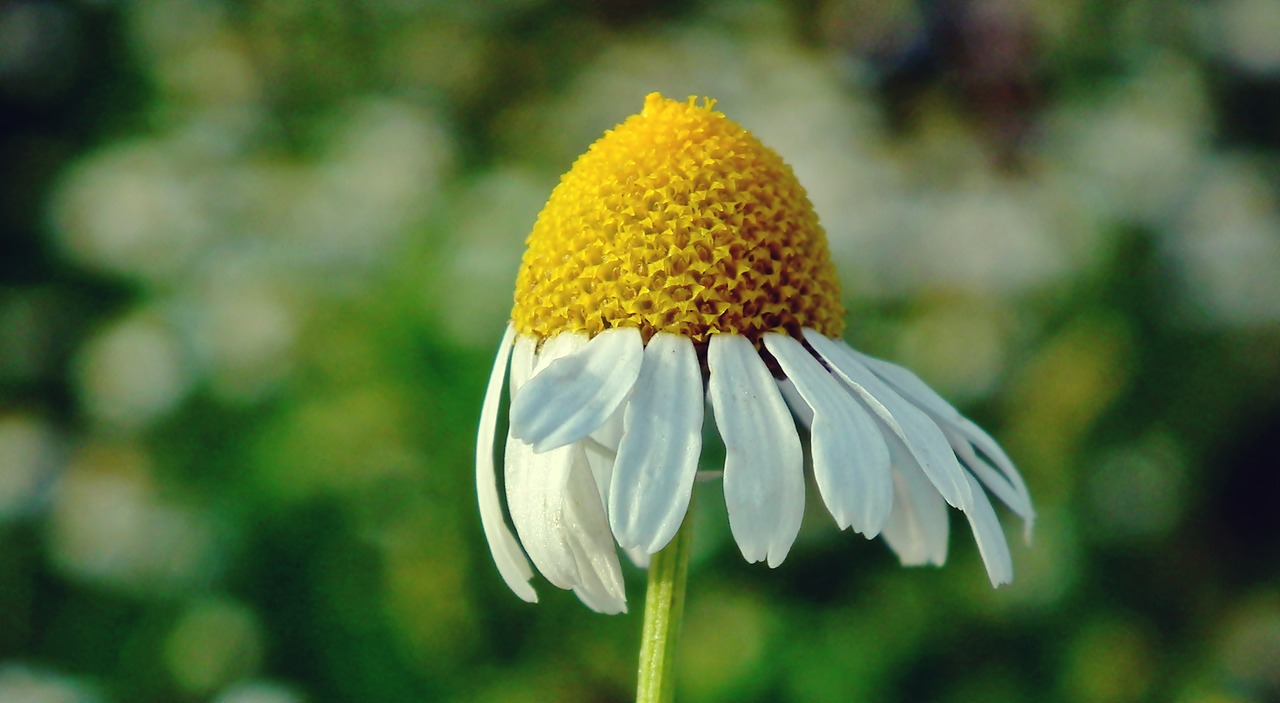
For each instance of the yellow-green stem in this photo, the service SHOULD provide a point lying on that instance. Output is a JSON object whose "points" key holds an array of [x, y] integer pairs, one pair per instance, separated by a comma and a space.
{"points": [[663, 609]]}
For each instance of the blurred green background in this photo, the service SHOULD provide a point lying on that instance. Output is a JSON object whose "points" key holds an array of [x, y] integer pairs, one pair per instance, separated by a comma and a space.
{"points": [[257, 256]]}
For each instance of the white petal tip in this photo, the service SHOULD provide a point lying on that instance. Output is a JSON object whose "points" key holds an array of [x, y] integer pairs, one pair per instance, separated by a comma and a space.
{"points": [[864, 528], [660, 543], [751, 556], [608, 605], [639, 557], [916, 560]]}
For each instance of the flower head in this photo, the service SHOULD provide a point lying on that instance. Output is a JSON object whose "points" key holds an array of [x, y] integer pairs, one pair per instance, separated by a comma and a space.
{"points": [[678, 221], [679, 264]]}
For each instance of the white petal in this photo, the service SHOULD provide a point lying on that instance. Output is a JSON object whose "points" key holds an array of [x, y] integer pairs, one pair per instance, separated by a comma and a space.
{"points": [[601, 447], [909, 385], [536, 488], [799, 408], [507, 554], [556, 348], [850, 458], [990, 537], [989, 476], [523, 358], [961, 433], [556, 508], [764, 465], [555, 503], [568, 399], [988, 446], [639, 557], [913, 426], [586, 530], [536, 482], [918, 525], [661, 442], [959, 429]]}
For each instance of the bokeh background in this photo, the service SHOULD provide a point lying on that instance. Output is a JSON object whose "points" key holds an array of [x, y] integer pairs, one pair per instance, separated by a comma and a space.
{"points": [[256, 257]]}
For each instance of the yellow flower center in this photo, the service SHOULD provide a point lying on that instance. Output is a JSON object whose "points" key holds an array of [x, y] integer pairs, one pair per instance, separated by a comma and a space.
{"points": [[678, 220]]}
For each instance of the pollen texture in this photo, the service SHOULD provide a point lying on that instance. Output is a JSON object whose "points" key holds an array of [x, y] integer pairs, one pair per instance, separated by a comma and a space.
{"points": [[678, 220]]}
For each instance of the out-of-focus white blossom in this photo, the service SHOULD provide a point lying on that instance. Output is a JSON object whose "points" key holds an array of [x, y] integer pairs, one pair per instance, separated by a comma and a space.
{"points": [[133, 372], [1225, 247], [109, 525], [30, 454], [20, 683]]}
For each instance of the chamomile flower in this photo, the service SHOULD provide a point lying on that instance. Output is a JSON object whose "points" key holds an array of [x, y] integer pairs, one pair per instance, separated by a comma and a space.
{"points": [[679, 266]]}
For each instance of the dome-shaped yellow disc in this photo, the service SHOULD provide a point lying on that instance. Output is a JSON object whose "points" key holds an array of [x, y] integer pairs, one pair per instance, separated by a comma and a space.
{"points": [[678, 220]]}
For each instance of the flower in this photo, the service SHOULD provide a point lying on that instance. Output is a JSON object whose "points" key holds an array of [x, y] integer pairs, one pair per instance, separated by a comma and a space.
{"points": [[679, 264]]}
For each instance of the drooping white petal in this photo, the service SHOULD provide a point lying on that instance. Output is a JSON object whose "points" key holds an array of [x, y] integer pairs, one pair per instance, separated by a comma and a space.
{"points": [[960, 430], [536, 488], [909, 385], [507, 554], [990, 537], [586, 531], [918, 432], [661, 442], [763, 467], [918, 527], [992, 479], [536, 482], [568, 399], [988, 446], [850, 458], [523, 358]]}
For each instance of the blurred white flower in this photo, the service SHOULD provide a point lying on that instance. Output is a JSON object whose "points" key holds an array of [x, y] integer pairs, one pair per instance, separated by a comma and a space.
{"points": [[133, 372], [481, 253], [1245, 32], [108, 525], [380, 173], [133, 208], [20, 683], [243, 333], [30, 455], [1136, 147], [1225, 247], [984, 238], [259, 691]]}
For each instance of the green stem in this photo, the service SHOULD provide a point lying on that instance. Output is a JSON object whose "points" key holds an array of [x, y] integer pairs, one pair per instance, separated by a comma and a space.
{"points": [[663, 608]]}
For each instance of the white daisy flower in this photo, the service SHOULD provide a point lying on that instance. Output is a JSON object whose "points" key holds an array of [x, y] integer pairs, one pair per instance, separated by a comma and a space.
{"points": [[679, 266]]}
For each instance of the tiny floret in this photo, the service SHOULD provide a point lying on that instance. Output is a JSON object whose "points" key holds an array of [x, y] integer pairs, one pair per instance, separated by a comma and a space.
{"points": [[679, 267]]}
